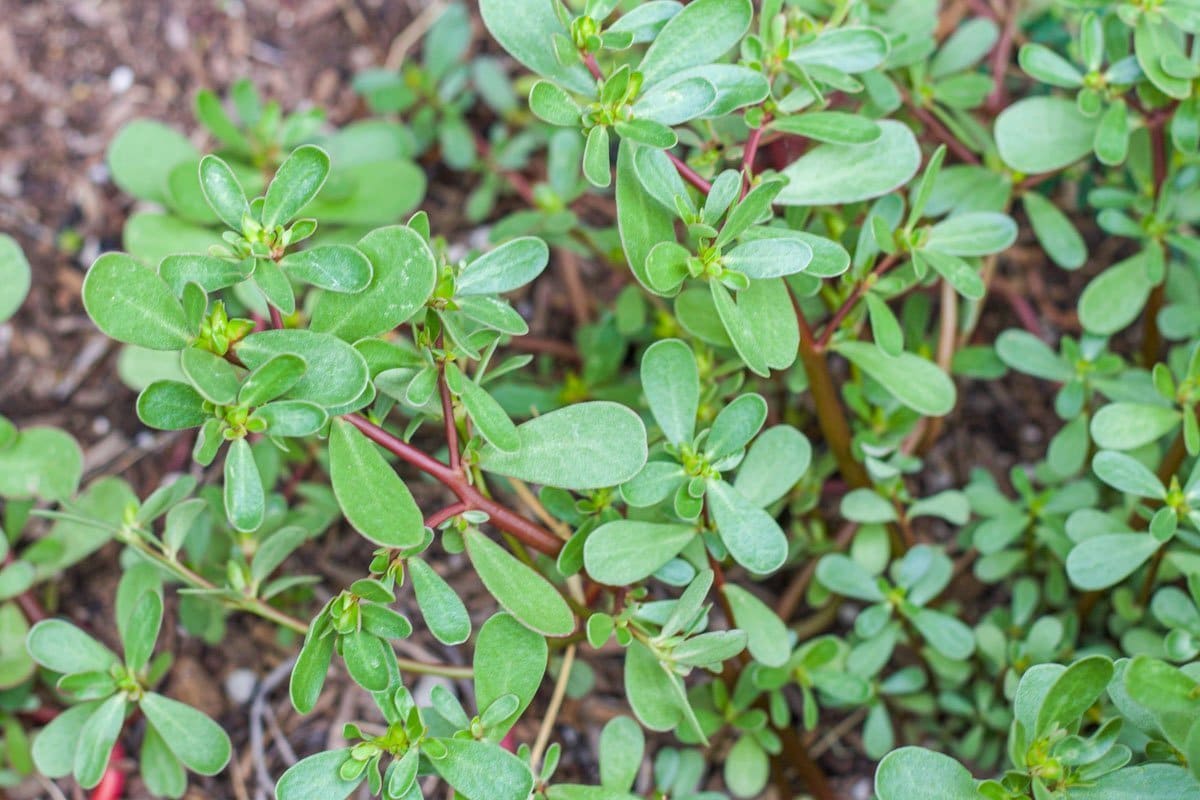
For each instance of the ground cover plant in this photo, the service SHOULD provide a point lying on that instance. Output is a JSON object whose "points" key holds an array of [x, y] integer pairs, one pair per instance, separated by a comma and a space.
{"points": [[719, 496]]}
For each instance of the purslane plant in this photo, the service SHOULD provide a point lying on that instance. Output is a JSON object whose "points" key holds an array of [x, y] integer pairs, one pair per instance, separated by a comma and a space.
{"points": [[845, 184]]}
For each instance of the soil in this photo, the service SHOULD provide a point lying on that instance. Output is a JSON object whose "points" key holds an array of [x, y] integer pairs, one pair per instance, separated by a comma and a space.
{"points": [[71, 73]]}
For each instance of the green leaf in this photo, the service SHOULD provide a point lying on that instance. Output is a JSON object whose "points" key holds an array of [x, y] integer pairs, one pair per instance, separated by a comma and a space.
{"points": [[1055, 232], [912, 772], [209, 272], [318, 777], [866, 506], [1137, 783], [14, 276], [161, 770], [1115, 297], [769, 258], [132, 304], [336, 267], [885, 328], [1159, 686], [211, 375], [966, 46], [775, 462], [59, 646], [372, 496], [291, 417], [944, 633], [671, 383], [1105, 560], [1153, 41], [509, 659], [245, 501], [196, 740], [1073, 693], [736, 424], [483, 771], [622, 745], [641, 220], [96, 739], [1112, 136], [842, 575], [1047, 66], [296, 183], [554, 105], [1026, 353], [912, 380], [171, 406], [274, 284], [43, 463], [444, 612], [271, 378], [152, 237], [1043, 134], [509, 266], [525, 29], [767, 636], [141, 632], [1127, 474], [626, 551], [595, 157], [833, 127], [583, 446], [143, 153], [973, 233], [751, 535], [403, 277], [16, 665], [673, 102], [831, 174], [367, 660], [650, 689], [223, 192], [55, 745], [747, 767], [488, 415], [1128, 426], [519, 589], [312, 664], [336, 374], [740, 329], [699, 34]]}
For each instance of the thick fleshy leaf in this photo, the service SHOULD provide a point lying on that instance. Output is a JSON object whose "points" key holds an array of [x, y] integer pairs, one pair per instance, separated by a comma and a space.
{"points": [[1127, 426], [1023, 351], [143, 153], [212, 376], [209, 272], [54, 746], [676, 102], [778, 459], [974, 233], [1105, 560], [843, 575], [1042, 134], [402, 280], [642, 220], [839, 173], [291, 417], [912, 772], [852, 50], [444, 612], [336, 267], [699, 34], [296, 183], [59, 646], [736, 424], [14, 276], [223, 192], [834, 127], [1073, 693], [583, 446], [483, 771], [490, 419], [271, 378], [509, 659], [372, 496], [519, 589], [914, 381], [42, 462], [245, 500], [318, 777], [1115, 297], [171, 406], [946, 634], [625, 551], [96, 739], [132, 304], [1055, 232], [767, 636], [336, 373], [201, 744], [161, 770], [751, 535], [524, 28], [369, 660], [650, 689], [509, 266], [1125, 473], [312, 664], [769, 258], [672, 386]]}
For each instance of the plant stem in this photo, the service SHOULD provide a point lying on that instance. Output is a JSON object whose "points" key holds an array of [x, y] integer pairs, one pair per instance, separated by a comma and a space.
{"points": [[848, 304], [503, 518], [556, 699], [448, 417], [750, 151], [830, 416], [688, 174]]}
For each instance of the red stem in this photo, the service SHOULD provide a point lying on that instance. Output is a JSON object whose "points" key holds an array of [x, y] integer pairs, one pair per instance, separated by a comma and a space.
{"points": [[750, 152], [276, 317], [690, 175], [530, 533], [441, 515], [848, 305], [448, 416]]}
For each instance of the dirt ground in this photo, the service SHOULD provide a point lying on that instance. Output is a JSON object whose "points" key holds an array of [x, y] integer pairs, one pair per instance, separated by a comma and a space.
{"points": [[71, 73]]}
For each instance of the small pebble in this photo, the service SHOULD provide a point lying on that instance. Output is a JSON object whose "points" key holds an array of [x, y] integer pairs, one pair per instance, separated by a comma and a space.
{"points": [[239, 685], [120, 80]]}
